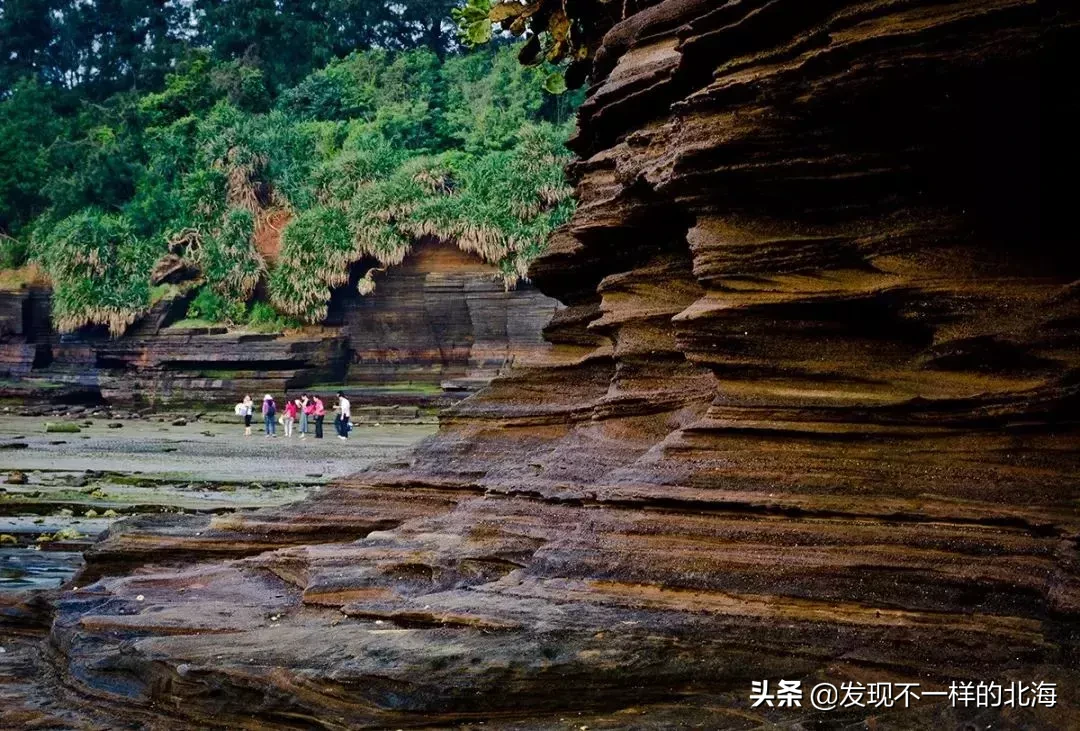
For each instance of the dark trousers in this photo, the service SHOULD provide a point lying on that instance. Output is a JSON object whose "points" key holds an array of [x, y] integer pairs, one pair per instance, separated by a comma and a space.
{"points": [[342, 426], [318, 426]]}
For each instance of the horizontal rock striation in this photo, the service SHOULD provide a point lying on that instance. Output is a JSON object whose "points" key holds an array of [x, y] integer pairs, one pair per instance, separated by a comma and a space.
{"points": [[442, 319], [154, 363], [177, 366], [22, 312], [437, 328], [809, 413]]}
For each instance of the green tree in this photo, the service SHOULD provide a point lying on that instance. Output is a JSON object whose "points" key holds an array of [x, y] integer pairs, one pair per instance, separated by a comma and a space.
{"points": [[97, 161], [26, 30], [353, 164], [28, 127], [490, 97], [99, 270], [102, 47]]}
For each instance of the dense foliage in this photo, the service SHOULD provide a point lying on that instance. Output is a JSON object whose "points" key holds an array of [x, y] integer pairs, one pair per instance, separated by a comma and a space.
{"points": [[101, 264], [249, 181], [556, 32], [105, 46]]}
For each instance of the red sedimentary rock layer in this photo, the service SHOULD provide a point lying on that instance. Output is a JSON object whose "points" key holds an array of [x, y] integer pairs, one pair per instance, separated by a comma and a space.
{"points": [[809, 414]]}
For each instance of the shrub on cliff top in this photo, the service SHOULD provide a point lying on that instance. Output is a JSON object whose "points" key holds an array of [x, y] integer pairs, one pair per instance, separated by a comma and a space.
{"points": [[210, 306], [13, 252], [228, 257], [99, 269], [503, 205], [264, 318], [317, 248], [500, 205], [359, 160]]}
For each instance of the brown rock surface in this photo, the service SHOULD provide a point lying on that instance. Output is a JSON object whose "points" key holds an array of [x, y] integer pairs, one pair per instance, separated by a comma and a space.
{"points": [[177, 365], [21, 310], [809, 414], [441, 319]]}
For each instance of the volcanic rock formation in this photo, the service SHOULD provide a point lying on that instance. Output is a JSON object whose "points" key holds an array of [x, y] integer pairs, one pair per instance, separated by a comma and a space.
{"points": [[809, 414]]}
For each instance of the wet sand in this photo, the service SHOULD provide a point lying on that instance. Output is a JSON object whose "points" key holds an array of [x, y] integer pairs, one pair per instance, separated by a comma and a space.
{"points": [[201, 450]]}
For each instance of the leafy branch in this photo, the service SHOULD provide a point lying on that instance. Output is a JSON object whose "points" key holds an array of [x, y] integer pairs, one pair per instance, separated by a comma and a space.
{"points": [[560, 32]]}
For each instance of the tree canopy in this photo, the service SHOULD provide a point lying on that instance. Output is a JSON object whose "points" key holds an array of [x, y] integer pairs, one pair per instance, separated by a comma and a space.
{"points": [[247, 184], [105, 46], [555, 32]]}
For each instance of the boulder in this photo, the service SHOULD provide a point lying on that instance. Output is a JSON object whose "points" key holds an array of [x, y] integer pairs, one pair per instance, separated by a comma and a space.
{"points": [[61, 427]]}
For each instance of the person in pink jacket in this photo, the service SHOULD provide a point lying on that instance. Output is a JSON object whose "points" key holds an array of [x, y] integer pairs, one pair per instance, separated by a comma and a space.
{"points": [[307, 413], [291, 410], [319, 411]]}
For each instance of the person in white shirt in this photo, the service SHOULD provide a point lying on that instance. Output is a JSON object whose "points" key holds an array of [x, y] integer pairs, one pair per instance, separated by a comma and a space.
{"points": [[344, 409], [245, 409]]}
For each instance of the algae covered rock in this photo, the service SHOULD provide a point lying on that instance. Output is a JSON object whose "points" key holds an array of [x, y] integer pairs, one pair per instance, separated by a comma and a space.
{"points": [[61, 427]]}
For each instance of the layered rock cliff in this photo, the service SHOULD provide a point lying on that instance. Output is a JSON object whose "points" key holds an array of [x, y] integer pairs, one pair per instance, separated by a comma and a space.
{"points": [[442, 319], [809, 413], [440, 325]]}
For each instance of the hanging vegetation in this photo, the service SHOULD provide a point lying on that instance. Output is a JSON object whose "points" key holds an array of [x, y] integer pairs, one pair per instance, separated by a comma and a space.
{"points": [[555, 32], [357, 161], [500, 206], [98, 267]]}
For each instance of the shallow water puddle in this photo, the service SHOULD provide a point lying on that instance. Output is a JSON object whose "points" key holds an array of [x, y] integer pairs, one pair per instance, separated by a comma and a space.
{"points": [[28, 568]]}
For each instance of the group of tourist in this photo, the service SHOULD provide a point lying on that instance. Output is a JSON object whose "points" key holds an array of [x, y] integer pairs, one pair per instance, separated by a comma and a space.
{"points": [[300, 413]]}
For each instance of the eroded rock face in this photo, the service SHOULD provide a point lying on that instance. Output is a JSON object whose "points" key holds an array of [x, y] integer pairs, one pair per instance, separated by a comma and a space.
{"points": [[441, 319], [439, 326], [154, 364], [21, 312], [174, 367], [809, 414]]}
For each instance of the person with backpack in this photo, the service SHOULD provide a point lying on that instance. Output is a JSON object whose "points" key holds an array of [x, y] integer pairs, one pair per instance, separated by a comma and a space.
{"points": [[269, 410]]}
